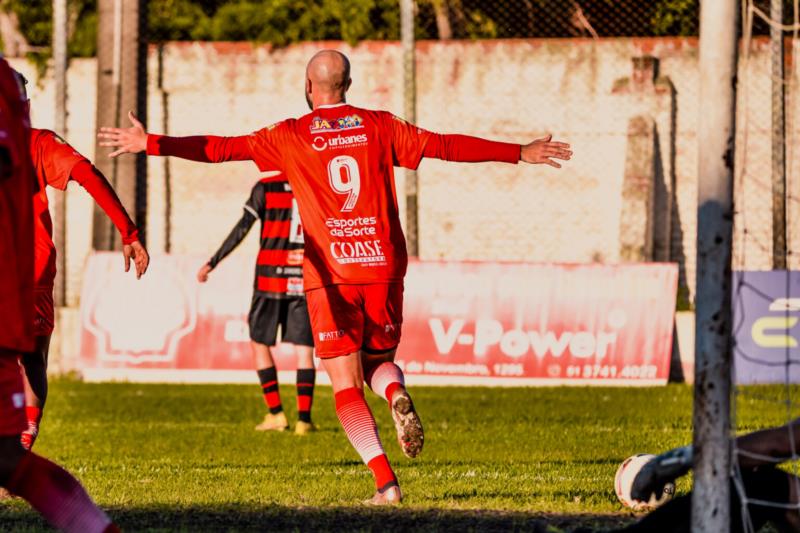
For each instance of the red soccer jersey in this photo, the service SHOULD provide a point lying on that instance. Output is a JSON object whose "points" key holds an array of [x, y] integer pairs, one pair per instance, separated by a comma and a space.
{"points": [[55, 163], [53, 160], [16, 223], [340, 162]]}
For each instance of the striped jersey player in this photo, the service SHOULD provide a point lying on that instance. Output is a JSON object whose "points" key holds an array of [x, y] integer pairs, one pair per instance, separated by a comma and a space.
{"points": [[278, 297]]}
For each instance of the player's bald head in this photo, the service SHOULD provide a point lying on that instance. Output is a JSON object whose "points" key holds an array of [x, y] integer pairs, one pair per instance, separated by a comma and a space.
{"points": [[327, 77]]}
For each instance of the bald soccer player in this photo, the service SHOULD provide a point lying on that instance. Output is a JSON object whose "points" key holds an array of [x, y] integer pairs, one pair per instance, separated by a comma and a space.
{"points": [[339, 161], [50, 489]]}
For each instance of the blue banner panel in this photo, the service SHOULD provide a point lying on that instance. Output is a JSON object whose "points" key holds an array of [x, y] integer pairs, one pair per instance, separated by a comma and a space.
{"points": [[766, 326]]}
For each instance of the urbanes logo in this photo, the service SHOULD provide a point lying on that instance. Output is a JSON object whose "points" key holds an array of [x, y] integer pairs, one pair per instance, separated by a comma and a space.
{"points": [[349, 122], [773, 331], [340, 141], [516, 343]]}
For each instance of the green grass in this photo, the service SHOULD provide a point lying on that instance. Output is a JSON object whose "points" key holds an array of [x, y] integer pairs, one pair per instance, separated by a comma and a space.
{"points": [[174, 457]]}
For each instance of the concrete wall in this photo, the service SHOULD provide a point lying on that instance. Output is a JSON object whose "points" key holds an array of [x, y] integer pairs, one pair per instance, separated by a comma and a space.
{"points": [[513, 90]]}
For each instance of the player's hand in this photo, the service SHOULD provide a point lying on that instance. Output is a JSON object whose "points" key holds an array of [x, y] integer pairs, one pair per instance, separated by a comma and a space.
{"points": [[661, 470], [126, 140], [140, 257], [544, 151], [202, 274]]}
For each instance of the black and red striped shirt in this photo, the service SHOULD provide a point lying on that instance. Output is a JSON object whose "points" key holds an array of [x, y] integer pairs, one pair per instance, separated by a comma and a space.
{"points": [[279, 267]]}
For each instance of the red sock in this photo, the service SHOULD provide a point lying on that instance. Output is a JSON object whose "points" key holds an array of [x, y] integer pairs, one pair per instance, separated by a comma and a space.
{"points": [[269, 386], [305, 393], [359, 425], [57, 496], [33, 414], [385, 379]]}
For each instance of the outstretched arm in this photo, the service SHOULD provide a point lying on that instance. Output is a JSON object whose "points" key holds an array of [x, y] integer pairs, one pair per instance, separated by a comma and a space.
{"points": [[465, 148], [236, 236], [411, 143], [205, 148], [766, 447], [769, 446], [98, 187]]}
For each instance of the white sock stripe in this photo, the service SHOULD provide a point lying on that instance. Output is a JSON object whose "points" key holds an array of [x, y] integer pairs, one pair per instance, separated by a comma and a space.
{"points": [[361, 430], [386, 374]]}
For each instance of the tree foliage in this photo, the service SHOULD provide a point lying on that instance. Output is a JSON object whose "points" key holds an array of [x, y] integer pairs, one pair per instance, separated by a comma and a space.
{"points": [[282, 22]]}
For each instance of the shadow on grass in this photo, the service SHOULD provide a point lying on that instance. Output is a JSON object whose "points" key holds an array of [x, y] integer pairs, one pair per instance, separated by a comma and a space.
{"points": [[243, 518]]}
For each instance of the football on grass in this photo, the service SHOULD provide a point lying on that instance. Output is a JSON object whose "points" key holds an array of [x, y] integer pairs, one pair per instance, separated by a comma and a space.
{"points": [[623, 482]]}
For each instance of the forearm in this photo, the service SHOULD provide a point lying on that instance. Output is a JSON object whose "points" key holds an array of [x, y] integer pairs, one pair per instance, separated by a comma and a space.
{"points": [[769, 446], [469, 149], [98, 187], [237, 235], [202, 148]]}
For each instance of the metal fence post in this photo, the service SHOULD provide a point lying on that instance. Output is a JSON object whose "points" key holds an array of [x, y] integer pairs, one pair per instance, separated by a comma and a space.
{"points": [[778, 138], [407, 17], [60, 75], [716, 134]]}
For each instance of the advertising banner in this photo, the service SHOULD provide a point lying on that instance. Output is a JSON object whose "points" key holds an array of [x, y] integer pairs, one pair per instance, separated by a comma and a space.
{"points": [[464, 323], [766, 311]]}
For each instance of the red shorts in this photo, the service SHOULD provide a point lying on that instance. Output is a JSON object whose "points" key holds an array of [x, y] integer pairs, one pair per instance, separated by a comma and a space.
{"points": [[44, 312], [349, 318], [12, 395]]}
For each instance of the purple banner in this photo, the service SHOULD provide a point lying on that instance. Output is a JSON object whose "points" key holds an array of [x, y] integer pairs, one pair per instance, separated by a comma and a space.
{"points": [[766, 326]]}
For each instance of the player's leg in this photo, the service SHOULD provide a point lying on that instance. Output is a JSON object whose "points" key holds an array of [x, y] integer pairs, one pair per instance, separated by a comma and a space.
{"points": [[50, 489], [35, 364], [383, 305], [359, 424], [263, 321], [337, 319], [767, 484], [297, 331]]}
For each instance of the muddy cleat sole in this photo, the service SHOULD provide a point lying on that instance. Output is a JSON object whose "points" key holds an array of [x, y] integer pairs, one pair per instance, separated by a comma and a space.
{"points": [[390, 496], [276, 422], [304, 428], [407, 423]]}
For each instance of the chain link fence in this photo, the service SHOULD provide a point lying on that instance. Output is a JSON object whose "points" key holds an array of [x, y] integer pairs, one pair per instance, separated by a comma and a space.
{"points": [[617, 79]]}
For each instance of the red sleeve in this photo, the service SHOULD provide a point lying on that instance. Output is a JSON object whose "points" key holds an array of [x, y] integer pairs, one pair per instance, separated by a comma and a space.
{"points": [[408, 142], [470, 149], [203, 148], [264, 147], [98, 187], [56, 159], [411, 143]]}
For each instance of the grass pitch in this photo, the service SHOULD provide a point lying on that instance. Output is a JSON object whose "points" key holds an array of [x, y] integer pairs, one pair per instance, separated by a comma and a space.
{"points": [[178, 457]]}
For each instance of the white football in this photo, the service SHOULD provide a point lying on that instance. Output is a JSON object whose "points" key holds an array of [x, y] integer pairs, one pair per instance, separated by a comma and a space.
{"points": [[623, 482]]}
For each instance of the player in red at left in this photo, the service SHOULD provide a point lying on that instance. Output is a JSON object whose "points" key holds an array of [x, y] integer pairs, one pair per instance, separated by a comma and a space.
{"points": [[50, 489], [339, 160], [56, 163]]}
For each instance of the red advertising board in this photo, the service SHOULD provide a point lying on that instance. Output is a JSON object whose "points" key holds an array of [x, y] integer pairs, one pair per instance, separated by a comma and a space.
{"points": [[464, 323]]}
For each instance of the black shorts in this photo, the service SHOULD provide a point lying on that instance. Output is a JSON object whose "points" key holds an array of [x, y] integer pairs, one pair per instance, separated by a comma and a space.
{"points": [[291, 314]]}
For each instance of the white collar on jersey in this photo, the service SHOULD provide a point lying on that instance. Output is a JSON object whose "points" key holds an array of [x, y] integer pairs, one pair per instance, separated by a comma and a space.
{"points": [[331, 106]]}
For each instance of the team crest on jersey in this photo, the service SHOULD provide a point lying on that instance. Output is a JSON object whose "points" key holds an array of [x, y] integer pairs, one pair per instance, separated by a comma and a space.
{"points": [[349, 122]]}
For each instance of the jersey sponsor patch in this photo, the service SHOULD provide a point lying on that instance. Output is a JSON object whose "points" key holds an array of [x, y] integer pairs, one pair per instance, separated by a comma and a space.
{"points": [[347, 122]]}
